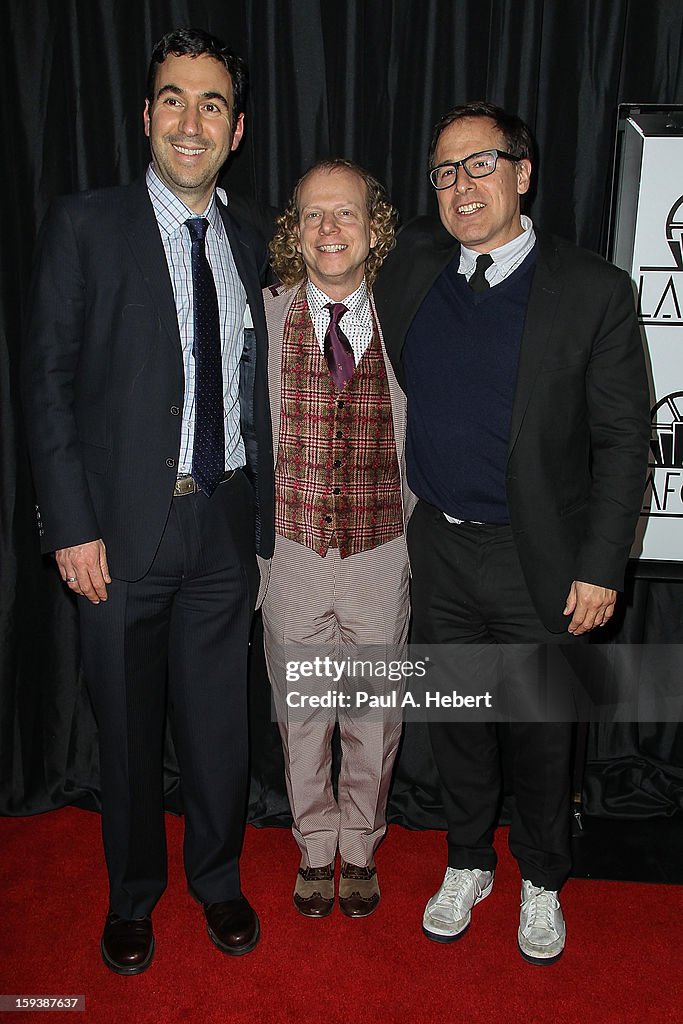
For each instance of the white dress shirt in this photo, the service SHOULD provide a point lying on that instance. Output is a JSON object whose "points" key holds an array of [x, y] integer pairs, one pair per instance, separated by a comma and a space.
{"points": [[356, 323]]}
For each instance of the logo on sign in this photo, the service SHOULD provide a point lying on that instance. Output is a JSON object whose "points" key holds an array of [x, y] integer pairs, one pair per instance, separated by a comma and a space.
{"points": [[664, 488], [660, 289]]}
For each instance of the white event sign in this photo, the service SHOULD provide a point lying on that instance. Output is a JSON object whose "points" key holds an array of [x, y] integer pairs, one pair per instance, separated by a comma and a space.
{"points": [[650, 248]]}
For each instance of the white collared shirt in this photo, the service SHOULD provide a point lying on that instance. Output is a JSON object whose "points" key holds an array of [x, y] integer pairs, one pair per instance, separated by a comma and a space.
{"points": [[506, 258], [356, 323]]}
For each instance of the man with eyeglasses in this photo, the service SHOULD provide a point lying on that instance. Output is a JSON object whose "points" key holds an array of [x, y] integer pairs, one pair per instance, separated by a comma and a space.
{"points": [[527, 444]]}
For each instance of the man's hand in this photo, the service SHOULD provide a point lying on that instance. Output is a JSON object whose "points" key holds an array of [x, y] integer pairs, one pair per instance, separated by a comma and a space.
{"points": [[84, 569], [589, 606]]}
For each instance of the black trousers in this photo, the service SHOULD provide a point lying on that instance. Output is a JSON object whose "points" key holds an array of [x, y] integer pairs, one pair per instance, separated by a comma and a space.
{"points": [[468, 588], [176, 641]]}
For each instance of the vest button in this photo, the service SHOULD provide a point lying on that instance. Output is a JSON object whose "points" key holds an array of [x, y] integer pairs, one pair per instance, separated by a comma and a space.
{"points": [[337, 463], [328, 519], [340, 405], [340, 433], [337, 490]]}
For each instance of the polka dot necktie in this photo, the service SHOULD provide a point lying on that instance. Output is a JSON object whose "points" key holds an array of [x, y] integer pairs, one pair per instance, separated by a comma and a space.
{"points": [[337, 348], [208, 452], [478, 282]]}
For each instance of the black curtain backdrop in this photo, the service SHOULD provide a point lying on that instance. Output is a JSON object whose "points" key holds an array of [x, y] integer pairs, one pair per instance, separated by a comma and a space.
{"points": [[363, 80]]}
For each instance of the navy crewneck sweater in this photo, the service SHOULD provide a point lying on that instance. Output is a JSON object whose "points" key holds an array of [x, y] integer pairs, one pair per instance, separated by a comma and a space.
{"points": [[460, 361]]}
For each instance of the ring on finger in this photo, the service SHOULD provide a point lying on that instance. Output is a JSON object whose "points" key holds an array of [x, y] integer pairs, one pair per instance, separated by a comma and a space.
{"points": [[71, 579]]}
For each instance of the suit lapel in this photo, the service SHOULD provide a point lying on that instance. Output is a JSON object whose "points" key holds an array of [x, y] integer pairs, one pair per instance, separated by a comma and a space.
{"points": [[538, 325], [277, 305], [142, 231], [247, 266], [398, 402], [436, 261], [404, 281]]}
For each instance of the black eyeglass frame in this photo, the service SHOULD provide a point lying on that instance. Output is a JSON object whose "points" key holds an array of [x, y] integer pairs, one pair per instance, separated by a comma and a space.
{"points": [[497, 153]]}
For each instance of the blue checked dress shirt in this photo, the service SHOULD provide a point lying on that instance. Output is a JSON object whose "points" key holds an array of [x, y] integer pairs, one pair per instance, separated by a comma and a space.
{"points": [[171, 214]]}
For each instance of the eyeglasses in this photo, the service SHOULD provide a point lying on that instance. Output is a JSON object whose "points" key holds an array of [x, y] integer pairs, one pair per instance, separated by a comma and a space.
{"points": [[477, 165]]}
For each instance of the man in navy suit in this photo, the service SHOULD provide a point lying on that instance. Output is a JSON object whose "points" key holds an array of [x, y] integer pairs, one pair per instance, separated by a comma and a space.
{"points": [[146, 410], [528, 428]]}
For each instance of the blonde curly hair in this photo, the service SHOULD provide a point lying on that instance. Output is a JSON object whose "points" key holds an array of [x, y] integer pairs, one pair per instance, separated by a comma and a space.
{"points": [[285, 258]]}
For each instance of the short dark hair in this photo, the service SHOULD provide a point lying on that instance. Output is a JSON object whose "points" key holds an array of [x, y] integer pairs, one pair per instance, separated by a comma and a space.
{"points": [[518, 138], [193, 42]]}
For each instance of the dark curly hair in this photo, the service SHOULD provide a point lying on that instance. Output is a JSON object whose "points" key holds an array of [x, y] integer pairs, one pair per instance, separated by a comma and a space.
{"points": [[285, 258]]}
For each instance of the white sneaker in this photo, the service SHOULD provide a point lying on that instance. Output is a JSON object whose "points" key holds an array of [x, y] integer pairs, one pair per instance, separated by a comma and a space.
{"points": [[542, 930], [447, 914]]}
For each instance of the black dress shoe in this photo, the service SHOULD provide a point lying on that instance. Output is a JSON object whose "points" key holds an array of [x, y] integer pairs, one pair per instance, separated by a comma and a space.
{"points": [[358, 890], [232, 925], [127, 945], [314, 891]]}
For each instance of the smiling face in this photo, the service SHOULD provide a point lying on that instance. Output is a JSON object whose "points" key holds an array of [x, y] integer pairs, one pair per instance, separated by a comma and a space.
{"points": [[482, 213], [189, 124], [334, 230]]}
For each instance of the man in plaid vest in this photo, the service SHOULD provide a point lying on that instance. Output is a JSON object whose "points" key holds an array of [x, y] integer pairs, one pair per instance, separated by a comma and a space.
{"points": [[336, 588]]}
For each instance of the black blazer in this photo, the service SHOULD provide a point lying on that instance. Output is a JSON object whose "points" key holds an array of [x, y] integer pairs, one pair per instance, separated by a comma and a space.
{"points": [[580, 426], [103, 380]]}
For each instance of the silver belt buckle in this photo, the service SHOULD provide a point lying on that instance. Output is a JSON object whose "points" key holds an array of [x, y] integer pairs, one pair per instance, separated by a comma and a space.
{"points": [[184, 484]]}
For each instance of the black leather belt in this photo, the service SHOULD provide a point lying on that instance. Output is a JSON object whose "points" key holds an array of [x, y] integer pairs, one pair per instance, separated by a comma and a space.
{"points": [[186, 483]]}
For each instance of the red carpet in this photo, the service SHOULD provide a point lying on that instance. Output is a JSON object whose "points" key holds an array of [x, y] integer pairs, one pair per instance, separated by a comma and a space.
{"points": [[622, 964]]}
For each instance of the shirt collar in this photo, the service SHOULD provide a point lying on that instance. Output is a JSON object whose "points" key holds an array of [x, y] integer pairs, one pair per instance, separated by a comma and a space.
{"points": [[357, 303], [171, 212], [505, 256]]}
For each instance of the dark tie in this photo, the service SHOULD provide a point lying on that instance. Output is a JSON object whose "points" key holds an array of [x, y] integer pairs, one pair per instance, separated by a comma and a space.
{"points": [[208, 451], [478, 282], [338, 351]]}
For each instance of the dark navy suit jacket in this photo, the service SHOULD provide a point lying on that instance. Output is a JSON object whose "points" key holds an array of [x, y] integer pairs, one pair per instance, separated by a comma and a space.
{"points": [[580, 429], [103, 377]]}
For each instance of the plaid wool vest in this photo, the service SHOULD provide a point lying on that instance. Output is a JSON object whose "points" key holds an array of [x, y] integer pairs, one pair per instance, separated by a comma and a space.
{"points": [[337, 478]]}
